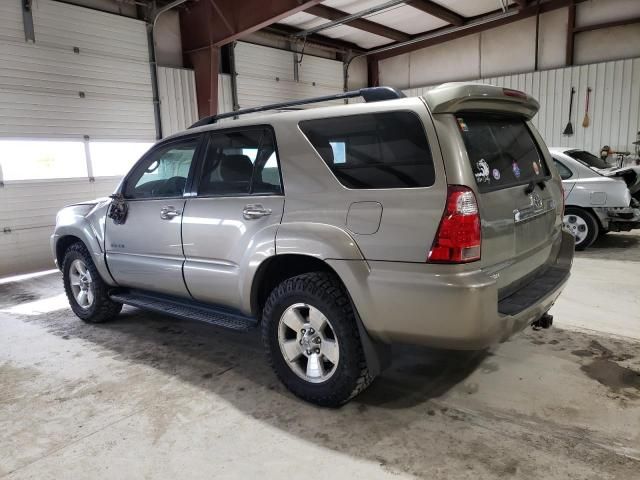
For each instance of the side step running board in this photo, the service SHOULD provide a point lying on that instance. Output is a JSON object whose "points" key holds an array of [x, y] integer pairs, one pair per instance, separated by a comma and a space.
{"points": [[187, 310]]}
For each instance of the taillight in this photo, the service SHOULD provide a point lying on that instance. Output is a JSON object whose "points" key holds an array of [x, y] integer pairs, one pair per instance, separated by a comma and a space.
{"points": [[458, 239]]}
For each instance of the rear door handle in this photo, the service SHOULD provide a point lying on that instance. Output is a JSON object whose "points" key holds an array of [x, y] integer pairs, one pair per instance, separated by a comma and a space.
{"points": [[253, 211], [169, 212]]}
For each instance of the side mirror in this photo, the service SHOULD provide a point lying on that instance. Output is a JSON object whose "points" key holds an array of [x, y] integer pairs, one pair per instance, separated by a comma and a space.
{"points": [[118, 209]]}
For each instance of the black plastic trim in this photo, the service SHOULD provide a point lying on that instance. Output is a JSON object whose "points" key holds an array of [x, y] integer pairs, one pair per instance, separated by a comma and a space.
{"points": [[531, 293]]}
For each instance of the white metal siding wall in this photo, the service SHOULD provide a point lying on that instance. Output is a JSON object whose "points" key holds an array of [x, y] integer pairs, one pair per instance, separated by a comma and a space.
{"points": [[41, 82], [29, 209], [614, 107], [267, 75], [39, 99], [225, 93], [177, 92]]}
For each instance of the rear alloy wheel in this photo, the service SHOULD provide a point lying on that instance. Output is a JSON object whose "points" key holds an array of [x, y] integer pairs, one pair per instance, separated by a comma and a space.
{"points": [[308, 343], [312, 341], [582, 225]]}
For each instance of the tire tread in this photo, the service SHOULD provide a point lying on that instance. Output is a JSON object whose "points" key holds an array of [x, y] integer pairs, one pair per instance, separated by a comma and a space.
{"points": [[327, 287], [104, 309]]}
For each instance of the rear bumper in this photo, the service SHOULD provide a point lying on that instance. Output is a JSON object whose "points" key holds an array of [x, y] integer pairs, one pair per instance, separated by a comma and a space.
{"points": [[409, 303]]}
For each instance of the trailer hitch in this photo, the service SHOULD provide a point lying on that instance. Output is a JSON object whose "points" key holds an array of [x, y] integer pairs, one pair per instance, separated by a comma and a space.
{"points": [[545, 321]]}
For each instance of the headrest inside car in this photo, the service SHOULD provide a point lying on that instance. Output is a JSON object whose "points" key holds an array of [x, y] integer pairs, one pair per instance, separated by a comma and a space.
{"points": [[236, 168]]}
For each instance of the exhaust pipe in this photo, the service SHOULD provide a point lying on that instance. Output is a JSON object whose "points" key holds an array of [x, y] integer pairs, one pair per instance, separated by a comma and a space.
{"points": [[544, 321]]}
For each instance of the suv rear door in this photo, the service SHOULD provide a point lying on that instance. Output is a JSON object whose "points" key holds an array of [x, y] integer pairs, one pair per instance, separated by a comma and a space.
{"points": [[518, 202], [238, 206]]}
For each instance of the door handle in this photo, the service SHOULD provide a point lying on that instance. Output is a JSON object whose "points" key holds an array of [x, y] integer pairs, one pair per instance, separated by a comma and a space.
{"points": [[253, 211], [169, 212]]}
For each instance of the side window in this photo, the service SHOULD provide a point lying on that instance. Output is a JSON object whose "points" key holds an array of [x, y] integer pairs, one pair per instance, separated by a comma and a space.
{"points": [[241, 163], [164, 173], [564, 172], [374, 150]]}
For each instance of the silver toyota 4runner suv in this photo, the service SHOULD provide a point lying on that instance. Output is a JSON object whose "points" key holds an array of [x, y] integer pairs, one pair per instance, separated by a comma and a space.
{"points": [[433, 220]]}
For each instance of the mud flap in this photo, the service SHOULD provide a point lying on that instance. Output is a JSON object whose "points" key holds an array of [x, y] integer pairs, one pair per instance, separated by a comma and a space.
{"points": [[377, 354]]}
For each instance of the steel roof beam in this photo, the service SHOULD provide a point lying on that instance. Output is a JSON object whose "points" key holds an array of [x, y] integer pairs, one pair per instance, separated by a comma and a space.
{"points": [[218, 22], [437, 11], [355, 20], [472, 25]]}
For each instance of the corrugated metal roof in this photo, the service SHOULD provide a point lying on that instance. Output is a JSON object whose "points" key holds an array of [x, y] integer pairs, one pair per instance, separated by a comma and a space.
{"points": [[364, 39], [403, 18]]}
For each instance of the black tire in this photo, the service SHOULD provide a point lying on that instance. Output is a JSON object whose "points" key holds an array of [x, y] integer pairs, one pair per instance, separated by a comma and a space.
{"points": [[590, 223], [325, 292], [102, 307]]}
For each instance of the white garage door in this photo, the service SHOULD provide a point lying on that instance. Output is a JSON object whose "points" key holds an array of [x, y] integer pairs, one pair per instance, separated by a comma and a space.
{"points": [[267, 75], [75, 104]]}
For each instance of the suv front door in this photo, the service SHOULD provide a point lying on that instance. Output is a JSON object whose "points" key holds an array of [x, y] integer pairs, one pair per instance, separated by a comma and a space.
{"points": [[235, 214], [145, 251]]}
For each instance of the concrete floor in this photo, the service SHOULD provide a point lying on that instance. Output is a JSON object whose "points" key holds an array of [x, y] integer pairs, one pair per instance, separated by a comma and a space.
{"points": [[148, 396]]}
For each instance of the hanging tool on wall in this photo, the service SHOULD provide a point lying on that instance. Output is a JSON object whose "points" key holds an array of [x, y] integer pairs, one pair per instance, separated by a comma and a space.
{"points": [[568, 130], [587, 121]]}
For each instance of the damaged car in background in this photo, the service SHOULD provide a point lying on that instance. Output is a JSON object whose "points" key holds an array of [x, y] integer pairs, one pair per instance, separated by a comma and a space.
{"points": [[596, 201], [630, 174]]}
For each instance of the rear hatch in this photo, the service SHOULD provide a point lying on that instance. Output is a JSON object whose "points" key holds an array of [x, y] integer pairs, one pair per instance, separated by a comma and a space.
{"points": [[517, 198]]}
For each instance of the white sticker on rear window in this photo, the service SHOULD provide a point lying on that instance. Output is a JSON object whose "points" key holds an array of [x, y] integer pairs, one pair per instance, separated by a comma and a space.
{"points": [[482, 174], [536, 168], [462, 125], [516, 169]]}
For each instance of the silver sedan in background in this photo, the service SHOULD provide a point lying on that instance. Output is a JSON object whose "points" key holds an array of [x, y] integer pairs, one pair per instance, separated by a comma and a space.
{"points": [[597, 201]]}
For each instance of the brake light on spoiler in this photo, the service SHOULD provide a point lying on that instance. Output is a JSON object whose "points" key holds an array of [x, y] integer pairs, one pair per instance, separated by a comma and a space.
{"points": [[514, 93], [459, 238]]}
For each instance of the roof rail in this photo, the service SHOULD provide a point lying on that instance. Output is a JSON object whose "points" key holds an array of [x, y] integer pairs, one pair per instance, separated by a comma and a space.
{"points": [[371, 94]]}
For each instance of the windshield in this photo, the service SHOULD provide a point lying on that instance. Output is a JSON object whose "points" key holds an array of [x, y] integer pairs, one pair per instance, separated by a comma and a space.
{"points": [[590, 159]]}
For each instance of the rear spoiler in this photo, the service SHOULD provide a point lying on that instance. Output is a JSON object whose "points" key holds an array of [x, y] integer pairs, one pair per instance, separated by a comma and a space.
{"points": [[457, 97]]}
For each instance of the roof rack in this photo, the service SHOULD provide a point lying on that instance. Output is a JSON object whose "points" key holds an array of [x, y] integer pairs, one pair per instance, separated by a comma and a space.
{"points": [[371, 94]]}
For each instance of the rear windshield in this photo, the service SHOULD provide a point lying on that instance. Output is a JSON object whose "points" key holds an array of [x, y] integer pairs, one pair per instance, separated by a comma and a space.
{"points": [[373, 150], [589, 158], [502, 151]]}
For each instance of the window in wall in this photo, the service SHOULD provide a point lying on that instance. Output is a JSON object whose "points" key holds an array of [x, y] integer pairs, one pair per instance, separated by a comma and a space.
{"points": [[40, 159], [374, 150], [110, 159]]}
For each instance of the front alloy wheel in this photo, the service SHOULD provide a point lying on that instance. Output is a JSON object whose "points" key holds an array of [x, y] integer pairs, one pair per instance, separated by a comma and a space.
{"points": [[87, 293], [81, 283]]}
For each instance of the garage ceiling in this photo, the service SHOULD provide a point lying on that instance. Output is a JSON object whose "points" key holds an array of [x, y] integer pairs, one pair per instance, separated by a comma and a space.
{"points": [[405, 19]]}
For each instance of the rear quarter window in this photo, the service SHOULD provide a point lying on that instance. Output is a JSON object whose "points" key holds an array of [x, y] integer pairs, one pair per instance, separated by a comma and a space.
{"points": [[374, 150], [501, 150]]}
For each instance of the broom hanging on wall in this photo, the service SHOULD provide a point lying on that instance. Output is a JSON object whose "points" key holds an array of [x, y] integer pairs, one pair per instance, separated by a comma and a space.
{"points": [[587, 121], [568, 130]]}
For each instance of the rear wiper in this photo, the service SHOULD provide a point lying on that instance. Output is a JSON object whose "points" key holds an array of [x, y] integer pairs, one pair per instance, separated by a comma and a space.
{"points": [[532, 185], [530, 188]]}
